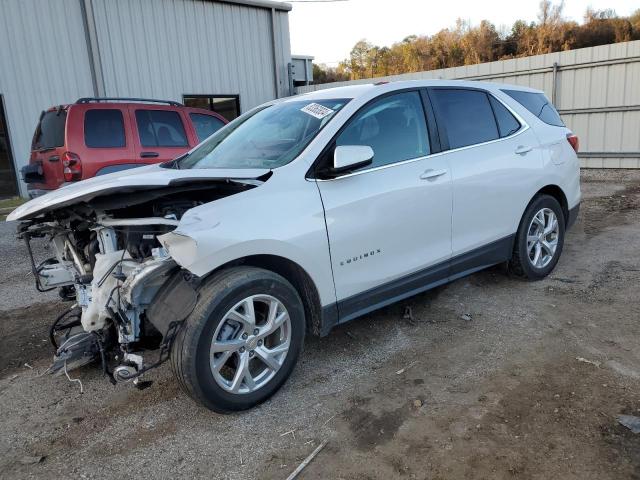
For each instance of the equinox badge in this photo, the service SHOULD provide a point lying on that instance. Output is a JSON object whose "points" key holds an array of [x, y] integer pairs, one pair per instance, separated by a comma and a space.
{"points": [[362, 256]]}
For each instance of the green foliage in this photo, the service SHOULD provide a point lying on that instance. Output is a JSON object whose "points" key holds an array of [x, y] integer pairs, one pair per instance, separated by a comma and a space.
{"points": [[7, 205], [466, 45], [325, 74]]}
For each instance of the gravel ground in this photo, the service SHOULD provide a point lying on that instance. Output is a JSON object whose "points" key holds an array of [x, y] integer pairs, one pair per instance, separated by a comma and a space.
{"points": [[16, 281], [508, 393]]}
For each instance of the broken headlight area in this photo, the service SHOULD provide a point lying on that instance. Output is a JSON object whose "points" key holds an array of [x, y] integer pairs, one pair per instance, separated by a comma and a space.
{"points": [[130, 296]]}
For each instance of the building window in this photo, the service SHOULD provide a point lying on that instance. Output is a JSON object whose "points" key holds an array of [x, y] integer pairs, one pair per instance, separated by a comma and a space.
{"points": [[226, 105]]}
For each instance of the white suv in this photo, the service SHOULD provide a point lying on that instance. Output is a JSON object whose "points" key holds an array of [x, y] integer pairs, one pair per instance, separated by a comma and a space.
{"points": [[301, 214]]}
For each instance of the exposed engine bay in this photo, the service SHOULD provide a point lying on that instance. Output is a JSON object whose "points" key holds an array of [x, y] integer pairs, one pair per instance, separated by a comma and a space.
{"points": [[129, 295]]}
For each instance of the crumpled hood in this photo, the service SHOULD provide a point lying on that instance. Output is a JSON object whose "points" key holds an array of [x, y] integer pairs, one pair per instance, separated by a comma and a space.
{"points": [[147, 177]]}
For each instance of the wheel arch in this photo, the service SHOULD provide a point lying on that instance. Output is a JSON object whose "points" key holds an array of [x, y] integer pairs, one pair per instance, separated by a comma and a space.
{"points": [[294, 274], [556, 192]]}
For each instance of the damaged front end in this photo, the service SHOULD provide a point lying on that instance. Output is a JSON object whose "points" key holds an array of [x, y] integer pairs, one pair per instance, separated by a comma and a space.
{"points": [[129, 295]]}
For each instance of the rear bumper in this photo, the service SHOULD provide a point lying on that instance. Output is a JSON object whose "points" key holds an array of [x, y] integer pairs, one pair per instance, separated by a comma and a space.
{"points": [[573, 216], [32, 173]]}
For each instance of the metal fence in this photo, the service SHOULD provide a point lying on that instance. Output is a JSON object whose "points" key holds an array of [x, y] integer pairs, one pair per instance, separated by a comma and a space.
{"points": [[596, 90]]}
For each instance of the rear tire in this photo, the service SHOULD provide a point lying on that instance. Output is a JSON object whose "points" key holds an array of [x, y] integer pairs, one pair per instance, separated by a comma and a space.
{"points": [[223, 360], [539, 240]]}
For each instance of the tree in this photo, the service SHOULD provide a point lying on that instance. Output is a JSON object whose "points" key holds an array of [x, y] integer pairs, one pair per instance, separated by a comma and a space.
{"points": [[634, 19], [465, 44], [324, 74], [359, 59]]}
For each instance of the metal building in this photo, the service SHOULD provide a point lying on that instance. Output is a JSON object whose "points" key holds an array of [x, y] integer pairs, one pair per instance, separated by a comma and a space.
{"points": [[302, 69], [228, 55]]}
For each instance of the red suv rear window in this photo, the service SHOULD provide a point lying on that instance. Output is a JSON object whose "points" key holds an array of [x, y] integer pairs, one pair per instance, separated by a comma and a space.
{"points": [[50, 130]]}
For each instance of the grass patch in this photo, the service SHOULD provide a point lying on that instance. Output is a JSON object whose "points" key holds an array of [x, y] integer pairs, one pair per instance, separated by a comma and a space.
{"points": [[12, 202], [8, 204]]}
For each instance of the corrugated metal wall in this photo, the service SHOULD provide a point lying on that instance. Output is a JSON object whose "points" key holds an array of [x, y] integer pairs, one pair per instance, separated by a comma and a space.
{"points": [[143, 48], [282, 51], [43, 62], [596, 90], [166, 48]]}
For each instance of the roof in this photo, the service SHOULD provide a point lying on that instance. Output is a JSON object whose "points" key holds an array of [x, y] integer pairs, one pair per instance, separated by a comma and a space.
{"points": [[285, 7], [354, 91], [350, 91]]}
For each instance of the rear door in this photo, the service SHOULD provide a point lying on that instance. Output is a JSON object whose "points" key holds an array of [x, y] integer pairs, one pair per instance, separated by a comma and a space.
{"points": [[100, 135], [161, 133], [494, 158]]}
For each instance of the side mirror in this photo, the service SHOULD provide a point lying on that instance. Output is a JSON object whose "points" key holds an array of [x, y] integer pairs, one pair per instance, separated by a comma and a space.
{"points": [[350, 157]]}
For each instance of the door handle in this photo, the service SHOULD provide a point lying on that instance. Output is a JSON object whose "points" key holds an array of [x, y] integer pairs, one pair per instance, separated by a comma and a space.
{"points": [[149, 154], [431, 173], [521, 150], [54, 158]]}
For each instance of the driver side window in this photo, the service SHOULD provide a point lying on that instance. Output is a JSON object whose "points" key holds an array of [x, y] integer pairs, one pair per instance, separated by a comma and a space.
{"points": [[393, 126]]}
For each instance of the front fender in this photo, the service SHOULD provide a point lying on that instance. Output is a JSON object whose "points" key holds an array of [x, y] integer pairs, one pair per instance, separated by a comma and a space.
{"points": [[283, 217], [201, 253]]}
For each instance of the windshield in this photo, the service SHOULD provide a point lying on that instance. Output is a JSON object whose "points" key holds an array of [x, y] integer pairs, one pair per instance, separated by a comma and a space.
{"points": [[267, 138]]}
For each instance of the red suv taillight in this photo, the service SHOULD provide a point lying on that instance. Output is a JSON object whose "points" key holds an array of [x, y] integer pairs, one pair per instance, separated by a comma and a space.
{"points": [[72, 167], [573, 141]]}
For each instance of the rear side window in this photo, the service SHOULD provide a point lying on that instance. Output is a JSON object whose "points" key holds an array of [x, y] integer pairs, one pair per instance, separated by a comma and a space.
{"points": [[466, 114], [537, 104], [50, 130], [160, 128], [507, 123], [104, 128], [205, 125], [394, 127]]}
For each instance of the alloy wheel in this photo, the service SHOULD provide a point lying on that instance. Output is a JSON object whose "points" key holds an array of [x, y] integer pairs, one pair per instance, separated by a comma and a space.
{"points": [[542, 238], [250, 344]]}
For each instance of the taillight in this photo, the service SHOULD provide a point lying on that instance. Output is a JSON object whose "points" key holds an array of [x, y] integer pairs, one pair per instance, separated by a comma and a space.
{"points": [[574, 141], [71, 167]]}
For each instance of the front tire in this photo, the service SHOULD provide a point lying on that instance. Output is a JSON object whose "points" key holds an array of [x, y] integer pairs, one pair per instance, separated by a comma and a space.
{"points": [[242, 341], [539, 240]]}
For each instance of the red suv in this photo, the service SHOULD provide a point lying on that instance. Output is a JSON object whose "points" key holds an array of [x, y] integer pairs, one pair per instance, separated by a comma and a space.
{"points": [[95, 136]]}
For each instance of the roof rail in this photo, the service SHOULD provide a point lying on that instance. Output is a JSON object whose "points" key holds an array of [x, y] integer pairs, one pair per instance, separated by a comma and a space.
{"points": [[127, 99]]}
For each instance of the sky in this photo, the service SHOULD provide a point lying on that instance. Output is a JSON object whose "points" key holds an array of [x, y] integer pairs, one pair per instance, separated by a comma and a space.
{"points": [[329, 30]]}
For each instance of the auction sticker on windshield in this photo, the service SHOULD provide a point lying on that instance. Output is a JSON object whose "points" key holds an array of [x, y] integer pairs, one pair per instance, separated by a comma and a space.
{"points": [[317, 110]]}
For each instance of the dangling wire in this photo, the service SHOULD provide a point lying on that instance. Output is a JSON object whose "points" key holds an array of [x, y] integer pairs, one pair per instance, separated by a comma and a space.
{"points": [[68, 326], [73, 379]]}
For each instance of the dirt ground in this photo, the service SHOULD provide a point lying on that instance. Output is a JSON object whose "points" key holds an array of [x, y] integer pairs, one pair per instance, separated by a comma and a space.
{"points": [[529, 387]]}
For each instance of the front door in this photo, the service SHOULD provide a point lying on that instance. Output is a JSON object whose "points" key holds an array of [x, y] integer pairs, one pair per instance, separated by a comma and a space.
{"points": [[8, 180], [389, 223], [161, 133]]}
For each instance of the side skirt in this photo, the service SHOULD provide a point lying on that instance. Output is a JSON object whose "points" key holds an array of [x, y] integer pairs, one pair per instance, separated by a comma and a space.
{"points": [[417, 282]]}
